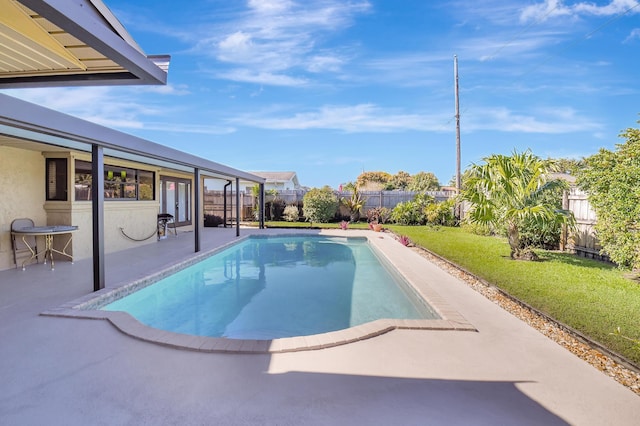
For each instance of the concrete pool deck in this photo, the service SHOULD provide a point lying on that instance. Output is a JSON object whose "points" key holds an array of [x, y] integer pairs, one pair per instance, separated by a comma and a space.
{"points": [[72, 371]]}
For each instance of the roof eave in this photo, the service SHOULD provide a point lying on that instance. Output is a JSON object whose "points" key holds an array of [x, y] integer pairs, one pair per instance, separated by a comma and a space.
{"points": [[19, 114], [110, 39]]}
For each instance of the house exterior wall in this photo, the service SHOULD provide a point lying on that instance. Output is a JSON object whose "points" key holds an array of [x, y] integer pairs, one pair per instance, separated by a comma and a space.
{"points": [[22, 180]]}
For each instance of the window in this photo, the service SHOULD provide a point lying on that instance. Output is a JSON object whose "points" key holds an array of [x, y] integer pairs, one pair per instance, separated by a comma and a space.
{"points": [[120, 183], [56, 175]]}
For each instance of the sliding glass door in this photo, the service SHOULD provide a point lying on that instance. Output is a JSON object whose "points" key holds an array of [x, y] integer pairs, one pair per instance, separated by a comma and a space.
{"points": [[175, 199]]}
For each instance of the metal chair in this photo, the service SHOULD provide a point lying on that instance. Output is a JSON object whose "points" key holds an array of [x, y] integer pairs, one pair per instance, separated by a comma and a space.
{"points": [[17, 242]]}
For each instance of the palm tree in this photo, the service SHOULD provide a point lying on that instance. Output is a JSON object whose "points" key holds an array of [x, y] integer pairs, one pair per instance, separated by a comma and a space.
{"points": [[355, 203], [508, 191]]}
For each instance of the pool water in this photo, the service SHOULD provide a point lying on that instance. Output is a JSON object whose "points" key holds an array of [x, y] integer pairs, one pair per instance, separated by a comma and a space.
{"points": [[272, 287]]}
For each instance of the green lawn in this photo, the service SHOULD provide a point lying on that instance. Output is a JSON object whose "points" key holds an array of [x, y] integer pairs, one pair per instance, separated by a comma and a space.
{"points": [[592, 297]]}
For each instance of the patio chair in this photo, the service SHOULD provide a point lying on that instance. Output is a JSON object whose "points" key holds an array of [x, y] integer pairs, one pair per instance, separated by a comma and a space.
{"points": [[18, 244]]}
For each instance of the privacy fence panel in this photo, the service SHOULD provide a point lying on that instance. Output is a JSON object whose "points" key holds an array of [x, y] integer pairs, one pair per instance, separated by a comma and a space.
{"points": [[214, 205], [585, 241], [214, 200]]}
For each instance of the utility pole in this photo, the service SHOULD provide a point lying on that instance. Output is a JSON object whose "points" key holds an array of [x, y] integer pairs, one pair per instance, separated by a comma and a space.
{"points": [[458, 177], [458, 207]]}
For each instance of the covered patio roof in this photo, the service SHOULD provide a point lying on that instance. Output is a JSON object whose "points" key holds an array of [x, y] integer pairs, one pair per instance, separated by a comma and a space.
{"points": [[22, 124], [50, 43], [70, 43]]}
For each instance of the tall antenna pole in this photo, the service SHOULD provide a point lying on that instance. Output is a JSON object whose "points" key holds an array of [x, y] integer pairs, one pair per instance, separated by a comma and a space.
{"points": [[458, 177]]}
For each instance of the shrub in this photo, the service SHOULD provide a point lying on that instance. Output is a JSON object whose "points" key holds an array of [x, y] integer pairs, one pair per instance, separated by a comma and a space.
{"points": [[355, 203], [275, 208], [408, 213], [404, 240], [320, 205], [291, 213], [378, 214], [545, 236], [477, 228], [412, 212], [211, 220], [440, 213]]}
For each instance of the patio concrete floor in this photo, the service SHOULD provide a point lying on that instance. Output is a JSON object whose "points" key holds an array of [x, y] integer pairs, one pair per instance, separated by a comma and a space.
{"points": [[72, 371]]}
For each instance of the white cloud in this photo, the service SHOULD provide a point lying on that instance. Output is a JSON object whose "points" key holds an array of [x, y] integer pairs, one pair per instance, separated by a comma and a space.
{"points": [[634, 34], [370, 118], [549, 121], [270, 6], [112, 107], [267, 78], [279, 38], [555, 8], [323, 63], [361, 118]]}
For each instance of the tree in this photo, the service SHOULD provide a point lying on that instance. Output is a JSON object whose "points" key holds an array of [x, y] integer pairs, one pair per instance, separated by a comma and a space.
{"points": [[568, 165], [320, 205], [509, 191], [349, 187], [373, 181], [424, 181], [612, 181], [401, 180]]}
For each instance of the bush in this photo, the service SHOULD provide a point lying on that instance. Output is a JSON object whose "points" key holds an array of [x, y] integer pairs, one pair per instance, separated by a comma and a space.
{"points": [[408, 213], [477, 228], [412, 212], [291, 213], [211, 220], [320, 205], [440, 213], [275, 208], [545, 236], [378, 214]]}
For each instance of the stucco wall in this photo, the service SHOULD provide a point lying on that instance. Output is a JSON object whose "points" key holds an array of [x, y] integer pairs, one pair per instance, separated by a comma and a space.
{"points": [[22, 183], [137, 219], [22, 186]]}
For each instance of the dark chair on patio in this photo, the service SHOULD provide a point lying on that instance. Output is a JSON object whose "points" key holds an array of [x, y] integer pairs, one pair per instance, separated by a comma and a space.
{"points": [[17, 242]]}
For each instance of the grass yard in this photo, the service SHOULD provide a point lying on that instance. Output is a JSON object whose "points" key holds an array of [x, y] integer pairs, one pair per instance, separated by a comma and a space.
{"points": [[590, 296]]}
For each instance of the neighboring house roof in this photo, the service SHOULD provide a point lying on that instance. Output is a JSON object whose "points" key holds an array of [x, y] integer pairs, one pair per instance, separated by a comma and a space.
{"points": [[70, 43], [279, 177]]}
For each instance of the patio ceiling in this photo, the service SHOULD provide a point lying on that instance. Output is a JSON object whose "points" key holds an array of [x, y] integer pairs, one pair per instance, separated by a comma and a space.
{"points": [[70, 43]]}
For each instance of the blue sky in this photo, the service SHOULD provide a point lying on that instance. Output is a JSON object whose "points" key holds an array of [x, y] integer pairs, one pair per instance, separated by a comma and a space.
{"points": [[331, 88]]}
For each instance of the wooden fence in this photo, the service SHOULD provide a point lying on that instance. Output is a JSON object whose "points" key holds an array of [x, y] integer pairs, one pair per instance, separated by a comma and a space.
{"points": [[584, 240], [214, 200], [213, 204]]}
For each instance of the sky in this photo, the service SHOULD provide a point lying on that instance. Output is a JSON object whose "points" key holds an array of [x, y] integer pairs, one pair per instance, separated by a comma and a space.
{"points": [[332, 88]]}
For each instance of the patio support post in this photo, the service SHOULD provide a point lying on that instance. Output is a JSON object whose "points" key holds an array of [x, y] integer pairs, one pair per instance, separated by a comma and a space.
{"points": [[196, 208], [97, 213], [237, 206], [262, 206], [224, 203]]}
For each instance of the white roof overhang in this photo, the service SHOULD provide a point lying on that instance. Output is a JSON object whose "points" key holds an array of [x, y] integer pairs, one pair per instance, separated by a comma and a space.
{"points": [[46, 43], [23, 123]]}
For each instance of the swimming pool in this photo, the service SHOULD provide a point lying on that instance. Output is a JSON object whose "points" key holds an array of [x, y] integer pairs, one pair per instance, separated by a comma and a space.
{"points": [[273, 287]]}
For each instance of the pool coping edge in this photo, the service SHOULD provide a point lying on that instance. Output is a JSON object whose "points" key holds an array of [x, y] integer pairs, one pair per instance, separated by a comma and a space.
{"points": [[85, 308]]}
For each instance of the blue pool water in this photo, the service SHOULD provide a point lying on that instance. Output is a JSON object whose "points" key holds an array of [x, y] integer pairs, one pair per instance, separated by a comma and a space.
{"points": [[271, 287]]}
